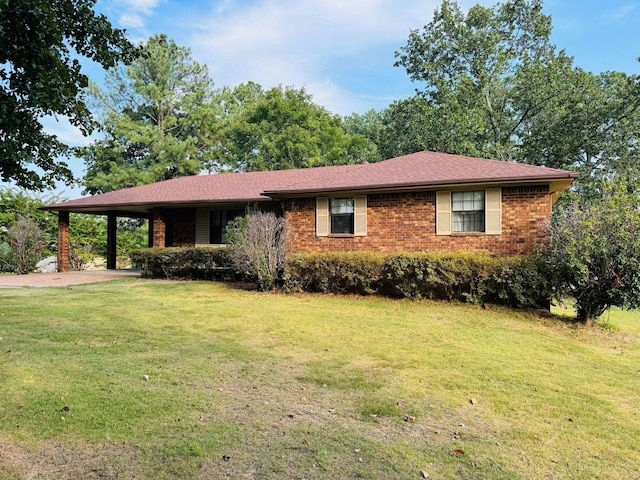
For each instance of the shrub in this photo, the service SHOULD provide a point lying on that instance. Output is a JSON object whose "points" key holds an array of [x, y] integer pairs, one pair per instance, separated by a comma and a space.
{"points": [[197, 263], [7, 258], [595, 253], [257, 247], [26, 242], [517, 282], [466, 277], [334, 272], [425, 275]]}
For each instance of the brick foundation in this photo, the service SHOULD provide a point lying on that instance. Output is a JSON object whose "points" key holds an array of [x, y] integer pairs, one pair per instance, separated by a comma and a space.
{"points": [[405, 222]]}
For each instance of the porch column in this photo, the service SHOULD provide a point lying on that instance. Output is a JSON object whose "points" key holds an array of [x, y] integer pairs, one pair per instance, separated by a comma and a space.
{"points": [[150, 232], [112, 231], [63, 241], [159, 228]]}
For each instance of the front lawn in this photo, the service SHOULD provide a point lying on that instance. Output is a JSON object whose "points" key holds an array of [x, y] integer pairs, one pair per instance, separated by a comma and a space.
{"points": [[166, 380]]}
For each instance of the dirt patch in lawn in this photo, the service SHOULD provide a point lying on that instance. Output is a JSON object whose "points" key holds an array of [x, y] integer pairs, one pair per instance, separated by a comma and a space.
{"points": [[66, 462]]}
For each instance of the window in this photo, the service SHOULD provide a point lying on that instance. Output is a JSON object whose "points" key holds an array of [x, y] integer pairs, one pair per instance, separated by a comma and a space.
{"points": [[341, 216], [468, 211], [218, 220], [341, 211]]}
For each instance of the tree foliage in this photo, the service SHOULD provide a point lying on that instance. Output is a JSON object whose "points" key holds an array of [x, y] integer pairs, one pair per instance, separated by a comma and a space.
{"points": [[156, 114], [40, 75], [492, 69], [16, 203], [594, 252], [87, 233], [595, 132], [493, 85], [282, 128]]}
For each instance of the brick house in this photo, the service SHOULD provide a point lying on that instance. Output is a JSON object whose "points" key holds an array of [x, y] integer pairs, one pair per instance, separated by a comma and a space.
{"points": [[420, 202]]}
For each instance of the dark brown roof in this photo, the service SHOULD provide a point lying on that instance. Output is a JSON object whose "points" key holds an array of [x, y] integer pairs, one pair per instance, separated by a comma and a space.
{"points": [[422, 169]]}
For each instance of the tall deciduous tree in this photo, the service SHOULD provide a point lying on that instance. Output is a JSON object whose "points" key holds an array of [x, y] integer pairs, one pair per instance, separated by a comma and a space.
{"points": [[593, 128], [157, 114], [282, 128], [40, 75], [487, 74]]}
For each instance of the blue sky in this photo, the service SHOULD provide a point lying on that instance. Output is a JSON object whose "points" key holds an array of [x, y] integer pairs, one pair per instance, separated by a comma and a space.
{"points": [[342, 51]]}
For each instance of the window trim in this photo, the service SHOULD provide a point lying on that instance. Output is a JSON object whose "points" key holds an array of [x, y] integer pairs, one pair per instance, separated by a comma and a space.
{"points": [[492, 212], [323, 216]]}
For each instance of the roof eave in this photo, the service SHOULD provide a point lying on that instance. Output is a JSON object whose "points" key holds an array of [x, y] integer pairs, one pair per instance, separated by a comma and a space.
{"points": [[106, 207]]}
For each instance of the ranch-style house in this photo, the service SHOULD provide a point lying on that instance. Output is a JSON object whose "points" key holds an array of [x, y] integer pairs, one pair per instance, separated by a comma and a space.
{"points": [[426, 201]]}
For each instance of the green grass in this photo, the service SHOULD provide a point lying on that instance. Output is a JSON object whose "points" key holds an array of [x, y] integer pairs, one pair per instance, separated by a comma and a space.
{"points": [[248, 385]]}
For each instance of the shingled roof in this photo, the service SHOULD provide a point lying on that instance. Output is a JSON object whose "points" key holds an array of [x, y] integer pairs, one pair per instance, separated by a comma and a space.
{"points": [[422, 169]]}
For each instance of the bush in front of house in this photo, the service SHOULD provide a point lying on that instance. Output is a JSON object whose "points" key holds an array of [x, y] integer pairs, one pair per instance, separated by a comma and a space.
{"points": [[334, 272], [257, 244], [193, 263], [468, 277], [427, 275], [594, 252]]}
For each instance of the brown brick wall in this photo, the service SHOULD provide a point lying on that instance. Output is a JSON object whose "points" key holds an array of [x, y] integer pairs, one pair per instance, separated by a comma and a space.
{"points": [[63, 242], [159, 228], [405, 222], [181, 227]]}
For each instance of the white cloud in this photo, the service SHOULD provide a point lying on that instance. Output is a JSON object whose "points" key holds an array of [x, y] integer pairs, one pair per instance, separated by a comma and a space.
{"points": [[619, 13], [145, 7], [133, 14], [66, 133], [305, 43], [131, 20]]}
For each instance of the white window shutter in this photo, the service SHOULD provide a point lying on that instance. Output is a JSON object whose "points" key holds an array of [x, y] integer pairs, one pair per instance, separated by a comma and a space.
{"points": [[443, 213], [360, 216], [202, 227], [493, 211], [322, 216]]}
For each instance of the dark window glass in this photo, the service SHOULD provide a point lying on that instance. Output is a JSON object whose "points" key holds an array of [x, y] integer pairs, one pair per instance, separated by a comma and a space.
{"points": [[218, 220], [468, 211], [341, 213]]}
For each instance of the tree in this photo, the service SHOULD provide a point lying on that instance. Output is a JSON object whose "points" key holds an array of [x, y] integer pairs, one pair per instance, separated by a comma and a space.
{"points": [[594, 252], [282, 128], [487, 74], [370, 126], [40, 76], [156, 114], [596, 132]]}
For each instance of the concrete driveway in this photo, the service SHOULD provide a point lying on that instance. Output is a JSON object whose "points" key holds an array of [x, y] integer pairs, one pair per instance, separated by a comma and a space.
{"points": [[64, 279]]}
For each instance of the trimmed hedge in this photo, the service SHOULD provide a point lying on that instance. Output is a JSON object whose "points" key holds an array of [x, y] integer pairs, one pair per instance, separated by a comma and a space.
{"points": [[185, 263], [334, 272], [515, 281]]}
